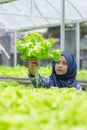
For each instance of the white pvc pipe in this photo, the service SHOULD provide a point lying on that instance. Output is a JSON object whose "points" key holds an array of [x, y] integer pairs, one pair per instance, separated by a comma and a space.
{"points": [[5, 52]]}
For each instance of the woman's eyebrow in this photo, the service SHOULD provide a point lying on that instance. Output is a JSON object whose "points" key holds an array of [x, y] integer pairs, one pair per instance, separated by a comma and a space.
{"points": [[62, 60]]}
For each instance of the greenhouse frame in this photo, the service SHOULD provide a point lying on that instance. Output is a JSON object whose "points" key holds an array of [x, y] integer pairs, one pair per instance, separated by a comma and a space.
{"points": [[19, 15]]}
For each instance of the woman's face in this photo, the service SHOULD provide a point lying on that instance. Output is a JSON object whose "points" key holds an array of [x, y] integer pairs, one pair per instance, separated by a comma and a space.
{"points": [[61, 66]]}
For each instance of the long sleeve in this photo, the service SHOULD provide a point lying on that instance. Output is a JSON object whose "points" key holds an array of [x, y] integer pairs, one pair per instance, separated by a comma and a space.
{"points": [[78, 87], [39, 81]]}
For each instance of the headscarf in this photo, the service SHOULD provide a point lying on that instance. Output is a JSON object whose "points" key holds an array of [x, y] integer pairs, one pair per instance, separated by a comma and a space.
{"points": [[68, 79]]}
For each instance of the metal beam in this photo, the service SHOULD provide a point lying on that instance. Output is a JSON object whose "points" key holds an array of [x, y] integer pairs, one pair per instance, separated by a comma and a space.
{"points": [[78, 45], [62, 33], [6, 1]]}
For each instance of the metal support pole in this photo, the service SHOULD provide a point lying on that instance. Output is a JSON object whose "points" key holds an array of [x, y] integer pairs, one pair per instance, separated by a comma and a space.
{"points": [[78, 45], [15, 51], [62, 33]]}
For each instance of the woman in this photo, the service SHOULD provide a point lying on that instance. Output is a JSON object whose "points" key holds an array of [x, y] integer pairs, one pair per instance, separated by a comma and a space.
{"points": [[63, 73]]}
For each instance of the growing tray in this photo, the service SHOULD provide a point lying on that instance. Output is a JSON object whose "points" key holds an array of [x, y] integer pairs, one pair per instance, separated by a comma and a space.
{"points": [[26, 81]]}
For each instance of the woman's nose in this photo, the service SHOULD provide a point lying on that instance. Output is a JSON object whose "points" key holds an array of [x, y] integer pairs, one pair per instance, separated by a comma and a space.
{"points": [[60, 65]]}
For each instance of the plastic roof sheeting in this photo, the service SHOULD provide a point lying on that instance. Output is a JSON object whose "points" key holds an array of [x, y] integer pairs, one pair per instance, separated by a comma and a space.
{"points": [[31, 14]]}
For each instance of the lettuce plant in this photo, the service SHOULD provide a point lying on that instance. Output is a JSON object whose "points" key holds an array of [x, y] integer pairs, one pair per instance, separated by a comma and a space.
{"points": [[35, 46]]}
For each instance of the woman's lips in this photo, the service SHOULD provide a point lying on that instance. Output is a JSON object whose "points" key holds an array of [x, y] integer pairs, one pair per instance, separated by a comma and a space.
{"points": [[59, 70]]}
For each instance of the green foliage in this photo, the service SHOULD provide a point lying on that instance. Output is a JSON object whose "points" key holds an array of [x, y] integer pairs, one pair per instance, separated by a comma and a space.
{"points": [[82, 74], [22, 71], [35, 46], [17, 71], [27, 108], [24, 108]]}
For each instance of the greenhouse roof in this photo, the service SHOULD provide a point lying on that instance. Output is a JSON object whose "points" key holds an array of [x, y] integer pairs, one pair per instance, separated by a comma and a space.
{"points": [[31, 14]]}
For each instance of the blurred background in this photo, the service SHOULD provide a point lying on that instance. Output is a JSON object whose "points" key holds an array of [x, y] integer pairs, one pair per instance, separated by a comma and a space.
{"points": [[64, 20]]}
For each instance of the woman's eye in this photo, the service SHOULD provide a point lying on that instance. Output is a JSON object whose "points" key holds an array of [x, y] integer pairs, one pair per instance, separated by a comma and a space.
{"points": [[64, 63]]}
